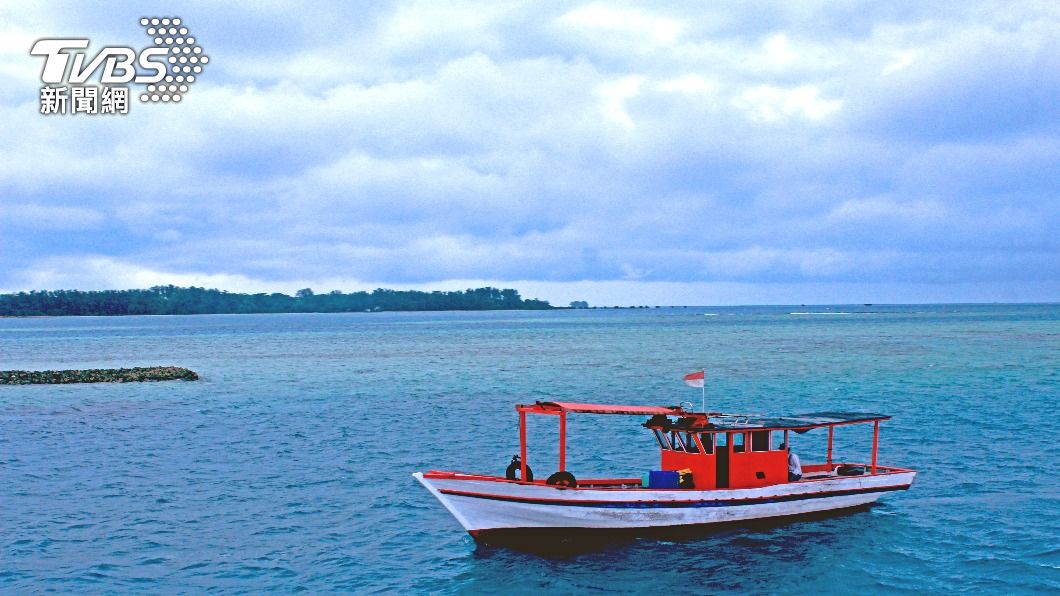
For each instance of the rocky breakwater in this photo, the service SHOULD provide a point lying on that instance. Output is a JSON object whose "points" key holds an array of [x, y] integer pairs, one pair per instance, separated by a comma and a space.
{"points": [[97, 375]]}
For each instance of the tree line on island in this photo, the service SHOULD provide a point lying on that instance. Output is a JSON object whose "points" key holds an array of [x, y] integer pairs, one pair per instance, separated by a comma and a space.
{"points": [[172, 300]]}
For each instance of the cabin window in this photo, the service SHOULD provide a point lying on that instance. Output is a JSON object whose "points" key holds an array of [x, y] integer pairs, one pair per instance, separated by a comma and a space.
{"points": [[660, 436], [722, 439], [760, 440], [675, 441], [778, 440], [738, 442], [690, 443], [682, 442], [708, 442]]}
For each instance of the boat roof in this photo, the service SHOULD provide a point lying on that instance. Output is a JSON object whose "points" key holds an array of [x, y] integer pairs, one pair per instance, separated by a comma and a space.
{"points": [[793, 421], [555, 407], [714, 420]]}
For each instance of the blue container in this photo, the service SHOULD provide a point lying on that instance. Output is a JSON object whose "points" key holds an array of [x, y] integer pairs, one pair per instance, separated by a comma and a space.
{"points": [[664, 479]]}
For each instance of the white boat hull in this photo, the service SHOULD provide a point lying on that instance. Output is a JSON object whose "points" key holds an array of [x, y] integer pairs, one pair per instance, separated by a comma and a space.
{"points": [[483, 505]]}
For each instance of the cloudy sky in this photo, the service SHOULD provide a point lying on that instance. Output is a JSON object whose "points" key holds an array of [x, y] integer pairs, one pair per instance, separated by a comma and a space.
{"points": [[622, 153]]}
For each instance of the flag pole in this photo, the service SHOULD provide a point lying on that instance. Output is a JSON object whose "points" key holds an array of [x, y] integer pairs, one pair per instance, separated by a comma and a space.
{"points": [[704, 391]]}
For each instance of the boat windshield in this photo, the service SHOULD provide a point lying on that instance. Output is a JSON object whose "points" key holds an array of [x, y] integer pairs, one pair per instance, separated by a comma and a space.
{"points": [[677, 441]]}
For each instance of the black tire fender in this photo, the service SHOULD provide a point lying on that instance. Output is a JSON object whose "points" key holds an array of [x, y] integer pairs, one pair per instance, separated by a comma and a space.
{"points": [[512, 473], [562, 479]]}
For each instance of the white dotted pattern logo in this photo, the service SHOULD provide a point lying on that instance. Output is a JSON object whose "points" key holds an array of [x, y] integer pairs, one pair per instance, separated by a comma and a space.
{"points": [[186, 59]]}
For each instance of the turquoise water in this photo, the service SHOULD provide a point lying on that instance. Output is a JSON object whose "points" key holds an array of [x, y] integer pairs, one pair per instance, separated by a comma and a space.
{"points": [[288, 466]]}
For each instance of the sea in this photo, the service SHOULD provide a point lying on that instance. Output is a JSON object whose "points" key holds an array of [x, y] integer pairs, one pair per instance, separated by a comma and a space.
{"points": [[287, 467]]}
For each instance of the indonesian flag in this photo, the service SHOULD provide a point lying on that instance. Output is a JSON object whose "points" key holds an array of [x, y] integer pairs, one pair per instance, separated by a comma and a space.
{"points": [[694, 379]]}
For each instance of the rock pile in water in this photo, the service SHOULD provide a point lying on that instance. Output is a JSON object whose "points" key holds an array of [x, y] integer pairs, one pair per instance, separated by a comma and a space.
{"points": [[97, 375]]}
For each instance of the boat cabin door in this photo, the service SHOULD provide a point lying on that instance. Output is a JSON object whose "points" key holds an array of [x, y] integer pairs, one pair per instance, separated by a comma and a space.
{"points": [[721, 460]]}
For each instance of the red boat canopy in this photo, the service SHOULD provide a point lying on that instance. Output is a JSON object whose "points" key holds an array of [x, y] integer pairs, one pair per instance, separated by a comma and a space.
{"points": [[692, 422], [556, 407]]}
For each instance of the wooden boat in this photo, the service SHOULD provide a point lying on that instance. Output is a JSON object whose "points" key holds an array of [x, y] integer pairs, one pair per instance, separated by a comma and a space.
{"points": [[714, 468]]}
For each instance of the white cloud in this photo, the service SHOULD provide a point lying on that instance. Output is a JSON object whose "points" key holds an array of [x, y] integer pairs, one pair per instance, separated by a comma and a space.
{"points": [[614, 95], [692, 84], [902, 61], [630, 23], [105, 273], [769, 103], [779, 51]]}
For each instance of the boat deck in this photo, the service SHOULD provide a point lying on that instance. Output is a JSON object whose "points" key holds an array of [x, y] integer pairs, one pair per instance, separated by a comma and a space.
{"points": [[811, 473]]}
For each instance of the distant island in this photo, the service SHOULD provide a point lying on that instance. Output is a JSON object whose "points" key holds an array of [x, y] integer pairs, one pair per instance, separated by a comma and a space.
{"points": [[172, 300]]}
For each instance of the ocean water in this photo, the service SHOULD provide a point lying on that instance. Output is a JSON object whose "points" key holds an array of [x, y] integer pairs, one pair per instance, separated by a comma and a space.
{"points": [[287, 467]]}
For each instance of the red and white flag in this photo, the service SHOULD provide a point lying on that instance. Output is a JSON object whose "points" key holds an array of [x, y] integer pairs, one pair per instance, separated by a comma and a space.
{"points": [[695, 379]]}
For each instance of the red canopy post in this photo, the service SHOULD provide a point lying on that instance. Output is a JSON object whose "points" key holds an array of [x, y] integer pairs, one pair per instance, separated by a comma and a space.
{"points": [[831, 431], [562, 441], [522, 445], [875, 443]]}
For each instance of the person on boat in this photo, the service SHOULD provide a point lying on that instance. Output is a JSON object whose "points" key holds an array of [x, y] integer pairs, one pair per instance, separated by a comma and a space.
{"points": [[794, 467]]}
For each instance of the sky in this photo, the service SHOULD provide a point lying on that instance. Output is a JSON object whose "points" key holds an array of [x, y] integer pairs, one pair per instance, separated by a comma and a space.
{"points": [[616, 152]]}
